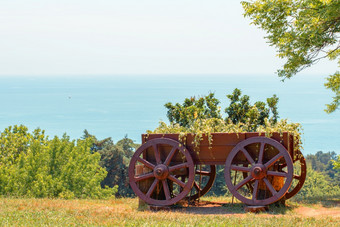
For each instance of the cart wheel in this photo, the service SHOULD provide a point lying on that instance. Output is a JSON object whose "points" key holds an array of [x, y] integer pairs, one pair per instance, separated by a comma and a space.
{"points": [[163, 158], [261, 158], [208, 178], [299, 176]]}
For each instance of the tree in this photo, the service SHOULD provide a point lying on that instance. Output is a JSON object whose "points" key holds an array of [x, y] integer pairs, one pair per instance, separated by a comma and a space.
{"points": [[128, 146], [192, 109], [34, 166], [325, 163], [240, 110], [336, 163], [318, 187], [303, 31], [115, 158]]}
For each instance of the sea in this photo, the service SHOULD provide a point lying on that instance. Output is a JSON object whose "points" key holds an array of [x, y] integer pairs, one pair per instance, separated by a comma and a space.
{"points": [[118, 105]]}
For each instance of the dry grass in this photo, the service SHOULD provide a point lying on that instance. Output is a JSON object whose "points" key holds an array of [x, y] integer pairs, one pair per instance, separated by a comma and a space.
{"points": [[124, 212]]}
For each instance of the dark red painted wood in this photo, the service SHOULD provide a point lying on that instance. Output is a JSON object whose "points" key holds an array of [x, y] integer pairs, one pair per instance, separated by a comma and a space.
{"points": [[161, 171], [259, 171], [222, 144], [301, 177], [159, 150], [199, 190]]}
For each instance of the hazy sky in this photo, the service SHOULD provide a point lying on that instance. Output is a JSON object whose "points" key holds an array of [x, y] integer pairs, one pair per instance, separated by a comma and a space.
{"points": [[77, 37]]}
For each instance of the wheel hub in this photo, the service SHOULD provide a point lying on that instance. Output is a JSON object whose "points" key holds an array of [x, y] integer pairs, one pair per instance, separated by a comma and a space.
{"points": [[161, 172], [258, 171]]}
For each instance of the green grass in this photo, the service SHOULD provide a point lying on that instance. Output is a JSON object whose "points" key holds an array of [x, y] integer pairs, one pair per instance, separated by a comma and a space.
{"points": [[124, 212]]}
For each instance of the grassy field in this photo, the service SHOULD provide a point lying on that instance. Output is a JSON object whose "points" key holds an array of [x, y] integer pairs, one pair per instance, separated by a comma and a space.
{"points": [[124, 212]]}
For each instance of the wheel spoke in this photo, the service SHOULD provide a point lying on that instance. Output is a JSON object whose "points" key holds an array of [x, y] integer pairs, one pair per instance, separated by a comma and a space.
{"points": [[177, 181], [144, 176], [152, 188], [203, 173], [248, 157], [240, 168], [146, 163], [246, 180], [170, 156], [279, 174], [157, 154], [273, 160], [198, 189], [297, 177], [179, 166], [255, 190], [270, 186], [166, 189], [261, 153]]}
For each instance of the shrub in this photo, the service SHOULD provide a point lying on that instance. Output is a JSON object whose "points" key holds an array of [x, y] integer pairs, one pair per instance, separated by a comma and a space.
{"points": [[32, 165]]}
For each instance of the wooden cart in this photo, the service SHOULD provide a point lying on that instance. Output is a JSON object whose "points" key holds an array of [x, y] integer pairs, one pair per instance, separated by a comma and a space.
{"points": [[258, 170]]}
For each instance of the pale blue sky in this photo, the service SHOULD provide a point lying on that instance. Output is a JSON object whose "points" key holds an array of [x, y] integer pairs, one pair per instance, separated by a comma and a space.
{"points": [[77, 37]]}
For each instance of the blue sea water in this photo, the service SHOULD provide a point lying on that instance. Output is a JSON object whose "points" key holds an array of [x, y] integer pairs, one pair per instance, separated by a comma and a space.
{"points": [[112, 106]]}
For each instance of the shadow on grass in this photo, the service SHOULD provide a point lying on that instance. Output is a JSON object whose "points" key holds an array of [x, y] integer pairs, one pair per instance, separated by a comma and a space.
{"points": [[215, 208], [327, 202]]}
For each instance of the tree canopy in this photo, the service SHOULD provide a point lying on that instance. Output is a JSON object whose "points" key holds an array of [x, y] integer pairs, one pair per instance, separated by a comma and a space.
{"points": [[239, 111], [193, 108], [115, 158], [303, 32], [325, 162], [32, 165]]}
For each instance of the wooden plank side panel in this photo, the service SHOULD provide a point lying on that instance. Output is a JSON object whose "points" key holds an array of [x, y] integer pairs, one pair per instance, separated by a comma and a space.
{"points": [[221, 146], [284, 138], [291, 149], [205, 153], [218, 138], [210, 155]]}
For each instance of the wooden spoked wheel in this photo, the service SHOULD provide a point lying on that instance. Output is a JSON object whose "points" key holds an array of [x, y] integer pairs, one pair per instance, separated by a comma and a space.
{"points": [[299, 176], [261, 158], [204, 179], [163, 159]]}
